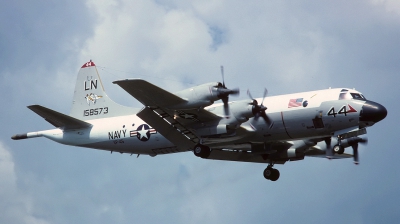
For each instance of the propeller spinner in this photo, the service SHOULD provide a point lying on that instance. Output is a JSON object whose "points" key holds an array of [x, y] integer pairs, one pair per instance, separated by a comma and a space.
{"points": [[259, 110]]}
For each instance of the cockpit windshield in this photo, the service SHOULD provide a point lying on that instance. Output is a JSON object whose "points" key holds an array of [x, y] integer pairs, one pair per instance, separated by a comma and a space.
{"points": [[346, 95], [357, 96]]}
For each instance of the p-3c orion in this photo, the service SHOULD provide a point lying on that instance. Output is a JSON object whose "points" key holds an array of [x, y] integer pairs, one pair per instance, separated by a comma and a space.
{"points": [[269, 130]]}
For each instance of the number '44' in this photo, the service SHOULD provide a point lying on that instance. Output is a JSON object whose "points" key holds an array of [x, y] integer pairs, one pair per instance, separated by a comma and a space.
{"points": [[332, 112]]}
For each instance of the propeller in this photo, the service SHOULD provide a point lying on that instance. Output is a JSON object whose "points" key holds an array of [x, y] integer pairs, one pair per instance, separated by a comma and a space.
{"points": [[223, 92], [259, 110], [353, 142]]}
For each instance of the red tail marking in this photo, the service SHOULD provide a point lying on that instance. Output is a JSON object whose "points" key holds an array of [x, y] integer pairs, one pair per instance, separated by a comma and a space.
{"points": [[88, 64]]}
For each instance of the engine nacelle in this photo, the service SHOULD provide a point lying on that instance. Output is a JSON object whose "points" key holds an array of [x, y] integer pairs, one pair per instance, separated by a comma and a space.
{"points": [[204, 95], [213, 130], [292, 154], [345, 143], [242, 110], [279, 152], [198, 96]]}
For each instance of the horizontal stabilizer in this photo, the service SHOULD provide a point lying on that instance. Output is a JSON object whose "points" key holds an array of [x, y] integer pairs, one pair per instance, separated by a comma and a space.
{"points": [[57, 119], [149, 94]]}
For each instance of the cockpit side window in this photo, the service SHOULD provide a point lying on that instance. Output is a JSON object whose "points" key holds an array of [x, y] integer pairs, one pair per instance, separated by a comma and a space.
{"points": [[345, 96]]}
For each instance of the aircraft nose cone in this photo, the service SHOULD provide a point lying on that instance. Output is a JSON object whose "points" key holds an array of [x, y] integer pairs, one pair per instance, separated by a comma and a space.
{"points": [[372, 112]]}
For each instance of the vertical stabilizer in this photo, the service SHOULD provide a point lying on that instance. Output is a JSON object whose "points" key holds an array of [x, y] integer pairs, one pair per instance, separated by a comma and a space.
{"points": [[90, 100]]}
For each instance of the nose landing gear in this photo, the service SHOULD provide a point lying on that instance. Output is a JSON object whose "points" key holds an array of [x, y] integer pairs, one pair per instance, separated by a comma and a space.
{"points": [[271, 173]]}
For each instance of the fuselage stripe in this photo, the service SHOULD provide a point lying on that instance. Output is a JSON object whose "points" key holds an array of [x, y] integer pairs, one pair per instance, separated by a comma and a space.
{"points": [[283, 121]]}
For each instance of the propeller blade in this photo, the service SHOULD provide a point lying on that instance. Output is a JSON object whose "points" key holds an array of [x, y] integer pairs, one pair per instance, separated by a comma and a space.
{"points": [[226, 106], [353, 142], [329, 152], [363, 141], [250, 96], [235, 92], [265, 94], [355, 153], [256, 116], [223, 92], [267, 120], [223, 79]]}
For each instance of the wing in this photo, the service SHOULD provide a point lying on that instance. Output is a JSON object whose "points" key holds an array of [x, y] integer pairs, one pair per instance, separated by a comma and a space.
{"points": [[149, 94], [57, 119], [178, 126], [162, 101]]}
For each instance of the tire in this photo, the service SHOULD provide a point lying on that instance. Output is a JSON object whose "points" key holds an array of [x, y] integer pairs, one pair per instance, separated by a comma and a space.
{"points": [[338, 149], [201, 151], [206, 152]]}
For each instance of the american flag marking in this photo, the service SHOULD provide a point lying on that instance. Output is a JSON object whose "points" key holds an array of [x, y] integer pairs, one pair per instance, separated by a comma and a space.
{"points": [[295, 102]]}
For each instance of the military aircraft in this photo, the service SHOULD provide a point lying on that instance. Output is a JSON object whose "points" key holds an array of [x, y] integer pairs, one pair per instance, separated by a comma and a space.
{"points": [[269, 130]]}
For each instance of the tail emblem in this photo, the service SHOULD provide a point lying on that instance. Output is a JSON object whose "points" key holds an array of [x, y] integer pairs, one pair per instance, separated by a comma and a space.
{"points": [[92, 98]]}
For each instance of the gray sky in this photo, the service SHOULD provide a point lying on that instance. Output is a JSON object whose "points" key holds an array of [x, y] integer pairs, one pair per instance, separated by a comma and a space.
{"points": [[285, 46]]}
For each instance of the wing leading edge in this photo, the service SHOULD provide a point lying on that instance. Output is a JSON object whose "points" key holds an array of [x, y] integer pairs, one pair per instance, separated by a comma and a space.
{"points": [[149, 94]]}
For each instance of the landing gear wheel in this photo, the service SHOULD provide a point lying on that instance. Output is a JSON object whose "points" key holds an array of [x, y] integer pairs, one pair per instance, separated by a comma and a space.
{"points": [[202, 151], [338, 149], [271, 174]]}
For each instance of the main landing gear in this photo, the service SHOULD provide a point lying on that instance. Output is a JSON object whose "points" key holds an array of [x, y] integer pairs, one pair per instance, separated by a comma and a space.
{"points": [[271, 173], [202, 151]]}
